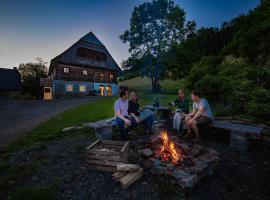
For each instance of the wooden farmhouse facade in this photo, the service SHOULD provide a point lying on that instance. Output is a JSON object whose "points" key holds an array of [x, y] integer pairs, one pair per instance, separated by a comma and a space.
{"points": [[86, 68]]}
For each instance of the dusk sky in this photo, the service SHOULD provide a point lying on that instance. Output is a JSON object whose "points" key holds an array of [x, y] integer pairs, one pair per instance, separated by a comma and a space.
{"points": [[45, 28]]}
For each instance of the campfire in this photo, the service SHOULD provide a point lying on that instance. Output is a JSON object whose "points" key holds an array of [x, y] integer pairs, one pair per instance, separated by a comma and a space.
{"points": [[187, 162], [168, 150]]}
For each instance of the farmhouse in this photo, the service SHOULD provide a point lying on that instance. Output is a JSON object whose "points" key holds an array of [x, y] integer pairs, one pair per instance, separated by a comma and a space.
{"points": [[86, 68]]}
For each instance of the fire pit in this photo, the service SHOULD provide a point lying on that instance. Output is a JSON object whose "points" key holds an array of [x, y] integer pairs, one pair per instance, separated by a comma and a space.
{"points": [[185, 161]]}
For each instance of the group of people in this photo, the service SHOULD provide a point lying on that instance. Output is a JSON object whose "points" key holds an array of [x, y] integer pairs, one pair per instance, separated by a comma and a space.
{"points": [[128, 114], [183, 119]]}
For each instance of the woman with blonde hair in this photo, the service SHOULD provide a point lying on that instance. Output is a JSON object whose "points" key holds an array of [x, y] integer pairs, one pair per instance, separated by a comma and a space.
{"points": [[140, 115]]}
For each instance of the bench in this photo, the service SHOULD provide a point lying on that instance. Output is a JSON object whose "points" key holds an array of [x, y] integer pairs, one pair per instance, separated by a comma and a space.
{"points": [[240, 134]]}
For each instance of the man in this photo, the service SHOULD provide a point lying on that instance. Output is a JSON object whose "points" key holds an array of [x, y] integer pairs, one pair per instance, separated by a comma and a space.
{"points": [[124, 121], [201, 115], [182, 105]]}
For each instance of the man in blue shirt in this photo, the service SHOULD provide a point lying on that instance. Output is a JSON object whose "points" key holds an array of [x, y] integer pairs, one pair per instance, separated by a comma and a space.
{"points": [[201, 115]]}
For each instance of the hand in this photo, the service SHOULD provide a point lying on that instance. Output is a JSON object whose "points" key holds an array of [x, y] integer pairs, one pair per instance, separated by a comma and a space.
{"points": [[128, 122], [191, 120]]}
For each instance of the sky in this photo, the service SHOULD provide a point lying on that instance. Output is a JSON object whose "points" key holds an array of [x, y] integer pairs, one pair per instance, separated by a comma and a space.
{"points": [[46, 28]]}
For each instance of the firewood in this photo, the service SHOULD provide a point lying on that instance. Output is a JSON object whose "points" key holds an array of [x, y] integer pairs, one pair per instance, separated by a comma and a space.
{"points": [[130, 178], [117, 175], [127, 167]]}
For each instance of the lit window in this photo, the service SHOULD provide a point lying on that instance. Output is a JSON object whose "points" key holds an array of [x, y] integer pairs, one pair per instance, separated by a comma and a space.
{"points": [[82, 88], [84, 72], [69, 88], [101, 75], [66, 70], [111, 76]]}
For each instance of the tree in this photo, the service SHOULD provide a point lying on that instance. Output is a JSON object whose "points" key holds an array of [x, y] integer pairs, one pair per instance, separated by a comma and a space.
{"points": [[154, 27], [31, 74]]}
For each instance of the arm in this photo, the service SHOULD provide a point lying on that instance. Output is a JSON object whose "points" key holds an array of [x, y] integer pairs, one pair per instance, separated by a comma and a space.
{"points": [[136, 118], [118, 114], [190, 114]]}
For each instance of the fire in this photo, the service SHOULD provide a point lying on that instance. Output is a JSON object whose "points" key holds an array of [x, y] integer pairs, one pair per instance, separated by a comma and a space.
{"points": [[168, 150]]}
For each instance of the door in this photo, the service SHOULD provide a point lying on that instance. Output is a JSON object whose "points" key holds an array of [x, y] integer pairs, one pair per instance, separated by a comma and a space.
{"points": [[109, 90], [47, 93], [101, 90]]}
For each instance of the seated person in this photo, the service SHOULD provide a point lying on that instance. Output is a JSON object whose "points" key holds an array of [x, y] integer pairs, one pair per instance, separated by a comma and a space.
{"points": [[141, 115], [182, 105], [201, 115], [125, 122]]}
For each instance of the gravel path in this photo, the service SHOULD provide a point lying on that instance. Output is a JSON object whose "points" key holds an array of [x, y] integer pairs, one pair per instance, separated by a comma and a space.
{"points": [[23, 115]]}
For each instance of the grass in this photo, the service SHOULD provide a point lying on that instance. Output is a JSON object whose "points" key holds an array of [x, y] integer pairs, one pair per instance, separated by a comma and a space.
{"points": [[144, 85]]}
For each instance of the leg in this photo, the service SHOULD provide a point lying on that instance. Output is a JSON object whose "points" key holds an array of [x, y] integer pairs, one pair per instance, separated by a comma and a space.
{"points": [[123, 131], [177, 121], [187, 119], [149, 122], [194, 128]]}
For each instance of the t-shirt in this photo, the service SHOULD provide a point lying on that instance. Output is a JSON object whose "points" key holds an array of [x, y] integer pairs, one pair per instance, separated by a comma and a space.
{"points": [[121, 106], [204, 103]]}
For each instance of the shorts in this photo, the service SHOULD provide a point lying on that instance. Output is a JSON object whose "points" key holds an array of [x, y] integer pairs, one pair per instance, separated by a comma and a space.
{"points": [[202, 120]]}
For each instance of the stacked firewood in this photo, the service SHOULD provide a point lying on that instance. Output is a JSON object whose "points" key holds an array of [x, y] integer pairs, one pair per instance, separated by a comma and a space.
{"points": [[127, 174]]}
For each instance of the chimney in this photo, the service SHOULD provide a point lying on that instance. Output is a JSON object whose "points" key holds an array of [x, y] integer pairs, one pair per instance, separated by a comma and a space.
{"points": [[15, 68]]}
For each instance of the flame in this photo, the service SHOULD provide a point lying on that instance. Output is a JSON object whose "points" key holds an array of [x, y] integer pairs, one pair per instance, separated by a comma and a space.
{"points": [[168, 150]]}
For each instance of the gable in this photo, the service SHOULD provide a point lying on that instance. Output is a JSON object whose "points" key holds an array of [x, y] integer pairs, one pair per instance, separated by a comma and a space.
{"points": [[93, 47]]}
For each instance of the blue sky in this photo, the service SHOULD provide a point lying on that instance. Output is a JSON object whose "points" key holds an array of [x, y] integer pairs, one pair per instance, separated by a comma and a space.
{"points": [[45, 28]]}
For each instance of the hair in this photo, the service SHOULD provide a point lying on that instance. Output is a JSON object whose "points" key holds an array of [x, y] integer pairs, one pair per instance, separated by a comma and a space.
{"points": [[123, 90], [181, 90], [133, 94], [196, 93]]}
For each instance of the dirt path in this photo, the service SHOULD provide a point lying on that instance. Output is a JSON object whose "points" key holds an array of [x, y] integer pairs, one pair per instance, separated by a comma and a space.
{"points": [[23, 115]]}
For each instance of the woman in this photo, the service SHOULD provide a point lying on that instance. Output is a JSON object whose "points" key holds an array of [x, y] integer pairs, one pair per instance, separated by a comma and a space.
{"points": [[182, 105], [141, 115]]}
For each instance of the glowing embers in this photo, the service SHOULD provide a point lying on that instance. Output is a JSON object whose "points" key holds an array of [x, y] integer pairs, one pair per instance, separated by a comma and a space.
{"points": [[169, 151]]}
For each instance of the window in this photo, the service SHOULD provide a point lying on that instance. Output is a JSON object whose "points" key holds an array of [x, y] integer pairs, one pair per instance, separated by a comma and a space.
{"points": [[69, 88], [101, 75], [111, 76], [91, 54], [66, 70], [84, 72], [82, 88]]}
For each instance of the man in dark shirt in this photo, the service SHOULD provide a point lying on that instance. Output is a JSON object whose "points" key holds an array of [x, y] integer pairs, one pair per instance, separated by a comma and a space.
{"points": [[182, 105]]}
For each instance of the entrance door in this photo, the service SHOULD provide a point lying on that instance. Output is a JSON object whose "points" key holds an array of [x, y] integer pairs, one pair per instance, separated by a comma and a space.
{"points": [[101, 90], [47, 93], [109, 90]]}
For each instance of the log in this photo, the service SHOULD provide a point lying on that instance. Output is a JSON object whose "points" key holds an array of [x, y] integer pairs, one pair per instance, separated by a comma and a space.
{"points": [[117, 175], [130, 178], [127, 167]]}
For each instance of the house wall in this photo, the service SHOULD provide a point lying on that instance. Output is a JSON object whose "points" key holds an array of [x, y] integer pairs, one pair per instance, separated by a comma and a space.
{"points": [[59, 88]]}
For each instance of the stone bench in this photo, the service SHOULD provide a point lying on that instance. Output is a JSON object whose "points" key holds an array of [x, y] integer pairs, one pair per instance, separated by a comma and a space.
{"points": [[103, 128], [240, 134]]}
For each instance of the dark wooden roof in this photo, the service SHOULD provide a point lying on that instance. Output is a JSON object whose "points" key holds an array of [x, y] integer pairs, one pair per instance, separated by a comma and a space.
{"points": [[89, 41], [10, 79]]}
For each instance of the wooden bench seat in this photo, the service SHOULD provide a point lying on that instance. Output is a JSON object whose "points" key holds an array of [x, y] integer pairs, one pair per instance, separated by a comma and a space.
{"points": [[240, 133]]}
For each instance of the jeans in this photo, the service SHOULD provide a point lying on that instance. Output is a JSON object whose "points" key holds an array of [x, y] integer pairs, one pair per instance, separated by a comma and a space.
{"points": [[149, 122], [123, 130]]}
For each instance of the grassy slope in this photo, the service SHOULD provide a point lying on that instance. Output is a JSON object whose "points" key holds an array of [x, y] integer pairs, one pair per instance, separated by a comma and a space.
{"points": [[144, 84]]}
